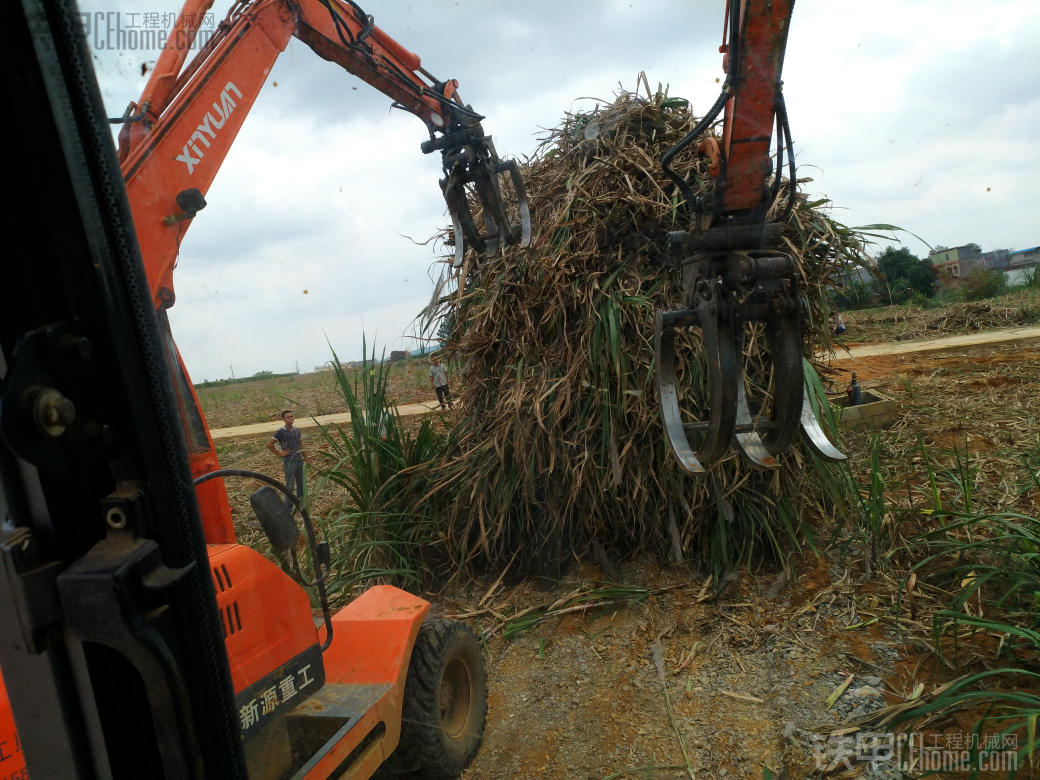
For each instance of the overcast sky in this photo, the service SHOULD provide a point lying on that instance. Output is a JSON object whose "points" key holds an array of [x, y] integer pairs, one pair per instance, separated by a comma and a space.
{"points": [[920, 114]]}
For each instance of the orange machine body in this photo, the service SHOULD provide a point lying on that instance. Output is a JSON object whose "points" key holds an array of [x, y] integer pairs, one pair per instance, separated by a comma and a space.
{"points": [[266, 616], [12, 760], [277, 664]]}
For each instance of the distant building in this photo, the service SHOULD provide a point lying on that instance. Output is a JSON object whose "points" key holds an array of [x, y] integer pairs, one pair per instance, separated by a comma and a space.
{"points": [[1020, 263], [1024, 258], [399, 354], [957, 261], [858, 273], [997, 260]]}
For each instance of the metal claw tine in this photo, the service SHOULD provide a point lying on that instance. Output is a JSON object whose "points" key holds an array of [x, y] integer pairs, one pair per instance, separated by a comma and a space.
{"points": [[724, 366], [813, 435], [492, 230], [521, 197], [668, 396], [460, 241], [785, 341], [750, 444]]}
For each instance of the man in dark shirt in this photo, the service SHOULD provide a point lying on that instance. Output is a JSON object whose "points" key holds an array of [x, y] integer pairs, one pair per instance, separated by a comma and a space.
{"points": [[855, 393], [286, 443]]}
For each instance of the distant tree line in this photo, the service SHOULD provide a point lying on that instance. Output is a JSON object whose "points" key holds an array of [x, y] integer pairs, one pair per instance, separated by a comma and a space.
{"points": [[904, 277]]}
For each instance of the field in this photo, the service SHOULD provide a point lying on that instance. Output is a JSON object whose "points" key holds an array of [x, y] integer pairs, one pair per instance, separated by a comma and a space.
{"points": [[911, 322], [663, 673], [263, 400]]}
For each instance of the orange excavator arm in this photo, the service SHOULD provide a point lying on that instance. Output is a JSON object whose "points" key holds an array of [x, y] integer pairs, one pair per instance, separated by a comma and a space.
{"points": [[175, 138], [735, 269]]}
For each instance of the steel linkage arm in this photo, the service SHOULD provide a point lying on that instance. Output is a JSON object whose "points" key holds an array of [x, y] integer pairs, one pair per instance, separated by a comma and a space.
{"points": [[342, 34]]}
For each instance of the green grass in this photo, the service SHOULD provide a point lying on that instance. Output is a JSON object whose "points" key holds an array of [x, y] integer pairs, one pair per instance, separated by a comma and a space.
{"points": [[989, 565], [380, 533]]}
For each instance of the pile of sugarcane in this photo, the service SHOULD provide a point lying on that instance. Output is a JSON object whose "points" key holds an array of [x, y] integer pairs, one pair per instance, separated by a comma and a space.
{"points": [[559, 448]]}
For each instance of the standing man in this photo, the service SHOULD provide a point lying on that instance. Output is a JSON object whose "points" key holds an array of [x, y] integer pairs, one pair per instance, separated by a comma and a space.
{"points": [[439, 382], [286, 444], [854, 394]]}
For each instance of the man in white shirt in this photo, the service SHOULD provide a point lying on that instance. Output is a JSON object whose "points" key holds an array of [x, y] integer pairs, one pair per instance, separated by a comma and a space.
{"points": [[439, 382]]}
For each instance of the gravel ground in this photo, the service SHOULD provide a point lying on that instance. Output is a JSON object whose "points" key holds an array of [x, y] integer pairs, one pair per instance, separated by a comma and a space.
{"points": [[584, 696]]}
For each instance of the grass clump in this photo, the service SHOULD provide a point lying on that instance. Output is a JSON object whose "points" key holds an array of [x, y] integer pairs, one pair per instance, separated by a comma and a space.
{"points": [[990, 563], [983, 566], [382, 533]]}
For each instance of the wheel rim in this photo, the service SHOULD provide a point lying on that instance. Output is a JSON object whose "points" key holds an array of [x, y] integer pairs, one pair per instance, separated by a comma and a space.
{"points": [[455, 697]]}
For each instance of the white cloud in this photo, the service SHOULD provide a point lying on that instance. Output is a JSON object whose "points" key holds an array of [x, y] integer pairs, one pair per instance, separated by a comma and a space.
{"points": [[903, 111]]}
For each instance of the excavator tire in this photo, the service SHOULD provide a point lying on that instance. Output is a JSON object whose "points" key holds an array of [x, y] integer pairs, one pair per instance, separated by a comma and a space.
{"points": [[445, 700]]}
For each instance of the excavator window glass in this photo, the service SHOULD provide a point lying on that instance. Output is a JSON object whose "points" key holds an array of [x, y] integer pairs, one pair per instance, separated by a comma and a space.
{"points": [[191, 417]]}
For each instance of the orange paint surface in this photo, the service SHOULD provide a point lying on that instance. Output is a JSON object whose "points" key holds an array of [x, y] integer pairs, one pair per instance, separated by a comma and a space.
{"points": [[373, 637], [12, 760], [266, 616]]}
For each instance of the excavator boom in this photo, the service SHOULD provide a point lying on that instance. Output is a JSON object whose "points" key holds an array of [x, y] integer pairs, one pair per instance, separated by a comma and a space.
{"points": [[187, 118], [174, 140]]}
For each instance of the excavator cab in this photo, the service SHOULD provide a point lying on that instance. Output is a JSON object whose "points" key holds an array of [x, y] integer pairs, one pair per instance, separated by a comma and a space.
{"points": [[735, 272], [141, 641]]}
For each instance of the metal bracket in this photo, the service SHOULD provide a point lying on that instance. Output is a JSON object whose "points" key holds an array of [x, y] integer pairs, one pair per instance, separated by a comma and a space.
{"points": [[113, 596], [48, 407], [33, 585], [724, 290]]}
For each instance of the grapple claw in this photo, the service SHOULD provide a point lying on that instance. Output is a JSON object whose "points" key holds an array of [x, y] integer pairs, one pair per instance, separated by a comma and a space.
{"points": [[667, 393], [724, 290], [472, 166], [813, 435]]}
